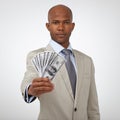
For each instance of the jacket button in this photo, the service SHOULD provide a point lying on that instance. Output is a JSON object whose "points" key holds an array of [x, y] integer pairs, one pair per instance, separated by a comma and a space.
{"points": [[75, 109]]}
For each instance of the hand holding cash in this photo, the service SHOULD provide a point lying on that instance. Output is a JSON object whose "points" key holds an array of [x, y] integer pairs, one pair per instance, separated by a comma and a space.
{"points": [[47, 65], [40, 86]]}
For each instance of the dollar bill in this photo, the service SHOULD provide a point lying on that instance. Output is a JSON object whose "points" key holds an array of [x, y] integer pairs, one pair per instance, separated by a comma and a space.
{"points": [[47, 63]]}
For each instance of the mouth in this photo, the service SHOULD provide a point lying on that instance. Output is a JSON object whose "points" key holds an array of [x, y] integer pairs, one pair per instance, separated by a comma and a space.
{"points": [[61, 35]]}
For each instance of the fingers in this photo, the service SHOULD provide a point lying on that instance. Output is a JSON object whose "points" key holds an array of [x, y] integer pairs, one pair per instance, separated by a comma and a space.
{"points": [[40, 86], [40, 79], [41, 82]]}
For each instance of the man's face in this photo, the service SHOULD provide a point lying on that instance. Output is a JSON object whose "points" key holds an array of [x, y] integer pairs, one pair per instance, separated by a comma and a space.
{"points": [[60, 25]]}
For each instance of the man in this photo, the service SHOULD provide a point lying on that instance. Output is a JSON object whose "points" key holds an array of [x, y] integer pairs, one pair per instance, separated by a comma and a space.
{"points": [[58, 100]]}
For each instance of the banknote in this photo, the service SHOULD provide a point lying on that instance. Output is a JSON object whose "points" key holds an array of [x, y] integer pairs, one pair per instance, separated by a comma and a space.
{"points": [[47, 63]]}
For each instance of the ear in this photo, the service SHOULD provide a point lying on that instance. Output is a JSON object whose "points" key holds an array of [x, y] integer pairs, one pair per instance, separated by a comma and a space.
{"points": [[73, 25], [48, 26]]}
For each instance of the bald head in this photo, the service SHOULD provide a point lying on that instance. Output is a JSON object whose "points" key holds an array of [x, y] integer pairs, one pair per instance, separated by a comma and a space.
{"points": [[60, 10]]}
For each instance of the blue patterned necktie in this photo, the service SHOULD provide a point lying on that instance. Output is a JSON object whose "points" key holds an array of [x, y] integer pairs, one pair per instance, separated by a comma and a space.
{"points": [[70, 69]]}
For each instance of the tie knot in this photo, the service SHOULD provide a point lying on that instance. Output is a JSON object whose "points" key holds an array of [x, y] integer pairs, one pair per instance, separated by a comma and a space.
{"points": [[66, 51]]}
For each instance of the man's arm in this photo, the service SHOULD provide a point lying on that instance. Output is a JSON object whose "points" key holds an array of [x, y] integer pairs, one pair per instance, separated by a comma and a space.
{"points": [[28, 98], [32, 85]]}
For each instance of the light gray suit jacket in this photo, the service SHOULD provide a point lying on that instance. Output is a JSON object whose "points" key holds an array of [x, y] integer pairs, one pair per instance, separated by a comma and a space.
{"points": [[60, 103]]}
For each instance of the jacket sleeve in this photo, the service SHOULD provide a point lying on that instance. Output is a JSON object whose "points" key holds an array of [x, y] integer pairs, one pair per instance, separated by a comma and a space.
{"points": [[29, 75]]}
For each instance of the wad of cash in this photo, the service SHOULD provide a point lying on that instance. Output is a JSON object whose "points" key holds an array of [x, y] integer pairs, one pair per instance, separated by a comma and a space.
{"points": [[47, 63]]}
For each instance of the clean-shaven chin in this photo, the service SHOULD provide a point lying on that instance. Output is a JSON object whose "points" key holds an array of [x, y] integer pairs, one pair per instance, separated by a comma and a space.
{"points": [[63, 42]]}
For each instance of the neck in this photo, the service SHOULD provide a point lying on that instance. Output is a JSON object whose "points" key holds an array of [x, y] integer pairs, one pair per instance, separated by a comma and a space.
{"points": [[65, 46]]}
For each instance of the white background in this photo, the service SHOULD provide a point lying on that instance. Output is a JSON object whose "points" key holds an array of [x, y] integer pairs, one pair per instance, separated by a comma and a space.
{"points": [[97, 33]]}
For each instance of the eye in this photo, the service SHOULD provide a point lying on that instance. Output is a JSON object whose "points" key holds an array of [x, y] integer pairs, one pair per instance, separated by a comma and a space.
{"points": [[66, 22], [55, 22]]}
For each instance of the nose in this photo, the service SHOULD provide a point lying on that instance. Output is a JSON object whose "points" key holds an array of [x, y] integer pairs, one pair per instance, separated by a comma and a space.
{"points": [[61, 27]]}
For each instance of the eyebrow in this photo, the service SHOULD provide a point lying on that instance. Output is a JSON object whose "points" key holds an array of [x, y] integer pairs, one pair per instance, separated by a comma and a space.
{"points": [[62, 20]]}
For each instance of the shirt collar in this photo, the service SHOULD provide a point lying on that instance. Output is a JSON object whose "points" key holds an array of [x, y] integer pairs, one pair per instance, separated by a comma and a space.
{"points": [[57, 47]]}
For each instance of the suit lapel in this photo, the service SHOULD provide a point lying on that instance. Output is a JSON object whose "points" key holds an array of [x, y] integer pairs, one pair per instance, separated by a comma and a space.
{"points": [[64, 75], [79, 65], [49, 48]]}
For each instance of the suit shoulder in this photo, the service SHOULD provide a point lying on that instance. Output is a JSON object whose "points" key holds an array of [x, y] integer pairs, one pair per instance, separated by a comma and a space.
{"points": [[83, 55], [37, 50], [34, 52]]}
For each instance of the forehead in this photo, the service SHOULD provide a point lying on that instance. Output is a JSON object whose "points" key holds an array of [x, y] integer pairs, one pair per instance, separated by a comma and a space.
{"points": [[59, 13]]}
